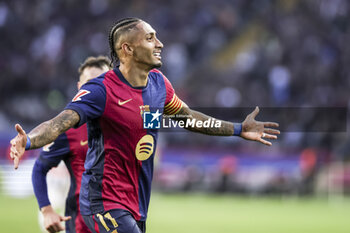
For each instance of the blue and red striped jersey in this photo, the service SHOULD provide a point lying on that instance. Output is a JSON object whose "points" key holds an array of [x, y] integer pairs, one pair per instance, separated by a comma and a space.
{"points": [[119, 163]]}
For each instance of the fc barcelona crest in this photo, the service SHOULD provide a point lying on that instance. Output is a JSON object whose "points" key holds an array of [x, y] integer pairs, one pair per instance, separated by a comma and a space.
{"points": [[144, 108]]}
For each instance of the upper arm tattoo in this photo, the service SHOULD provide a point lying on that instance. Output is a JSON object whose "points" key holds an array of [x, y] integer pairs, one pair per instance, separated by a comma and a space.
{"points": [[48, 131]]}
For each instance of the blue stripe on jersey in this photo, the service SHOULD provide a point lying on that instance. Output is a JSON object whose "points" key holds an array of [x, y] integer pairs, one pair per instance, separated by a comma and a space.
{"points": [[91, 195], [156, 83]]}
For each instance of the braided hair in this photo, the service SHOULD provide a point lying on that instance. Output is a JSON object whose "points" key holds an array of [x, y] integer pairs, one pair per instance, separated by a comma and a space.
{"points": [[124, 25]]}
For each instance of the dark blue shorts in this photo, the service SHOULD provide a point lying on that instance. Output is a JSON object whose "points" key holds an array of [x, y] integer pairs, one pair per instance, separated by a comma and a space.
{"points": [[114, 221]]}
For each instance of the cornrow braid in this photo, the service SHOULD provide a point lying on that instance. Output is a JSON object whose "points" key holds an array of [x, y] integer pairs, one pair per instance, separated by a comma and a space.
{"points": [[126, 24]]}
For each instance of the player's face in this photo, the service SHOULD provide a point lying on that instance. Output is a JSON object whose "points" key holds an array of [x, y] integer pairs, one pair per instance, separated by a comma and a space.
{"points": [[147, 47], [89, 73]]}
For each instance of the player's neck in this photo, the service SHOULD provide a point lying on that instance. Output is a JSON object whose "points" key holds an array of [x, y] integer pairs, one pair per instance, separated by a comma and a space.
{"points": [[134, 75]]}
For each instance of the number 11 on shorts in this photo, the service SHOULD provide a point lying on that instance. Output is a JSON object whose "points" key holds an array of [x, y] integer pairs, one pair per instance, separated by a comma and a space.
{"points": [[110, 218]]}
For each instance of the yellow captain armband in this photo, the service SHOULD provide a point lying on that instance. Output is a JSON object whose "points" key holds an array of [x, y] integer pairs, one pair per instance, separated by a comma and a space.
{"points": [[174, 106]]}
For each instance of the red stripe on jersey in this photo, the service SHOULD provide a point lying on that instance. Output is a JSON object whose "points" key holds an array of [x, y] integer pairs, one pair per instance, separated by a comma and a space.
{"points": [[173, 99], [172, 103], [96, 224], [156, 71], [169, 91], [121, 189]]}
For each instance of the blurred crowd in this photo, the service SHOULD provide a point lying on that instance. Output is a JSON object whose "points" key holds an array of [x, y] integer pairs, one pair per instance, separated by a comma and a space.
{"points": [[223, 53]]}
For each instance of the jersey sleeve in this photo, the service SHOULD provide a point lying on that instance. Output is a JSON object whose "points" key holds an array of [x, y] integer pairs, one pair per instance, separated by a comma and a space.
{"points": [[89, 102], [49, 157], [172, 103], [52, 154], [39, 183]]}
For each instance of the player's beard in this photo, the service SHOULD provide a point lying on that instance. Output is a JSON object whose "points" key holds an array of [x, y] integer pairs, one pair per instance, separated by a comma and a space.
{"points": [[150, 61], [157, 65]]}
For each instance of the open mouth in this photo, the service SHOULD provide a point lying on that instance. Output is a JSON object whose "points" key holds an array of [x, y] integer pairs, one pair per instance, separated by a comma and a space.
{"points": [[157, 55]]}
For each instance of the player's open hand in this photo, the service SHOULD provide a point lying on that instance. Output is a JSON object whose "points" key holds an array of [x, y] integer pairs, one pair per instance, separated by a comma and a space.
{"points": [[52, 220], [18, 145], [257, 130]]}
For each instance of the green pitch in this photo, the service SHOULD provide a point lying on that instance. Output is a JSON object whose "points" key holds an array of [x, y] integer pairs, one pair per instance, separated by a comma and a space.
{"points": [[229, 214], [194, 213]]}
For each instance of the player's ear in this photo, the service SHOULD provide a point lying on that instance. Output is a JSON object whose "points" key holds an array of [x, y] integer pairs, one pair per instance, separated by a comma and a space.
{"points": [[127, 49], [78, 85]]}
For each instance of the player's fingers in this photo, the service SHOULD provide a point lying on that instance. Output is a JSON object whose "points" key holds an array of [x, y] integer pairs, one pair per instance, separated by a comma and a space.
{"points": [[65, 218], [56, 227], [13, 152], [267, 143], [51, 229], [268, 136], [255, 112], [60, 228], [15, 162], [13, 149], [271, 124], [19, 129], [271, 131], [12, 155]]}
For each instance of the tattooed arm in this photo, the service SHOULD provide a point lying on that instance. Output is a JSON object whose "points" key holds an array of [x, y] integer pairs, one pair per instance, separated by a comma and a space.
{"points": [[42, 135], [48, 131], [187, 114], [251, 129]]}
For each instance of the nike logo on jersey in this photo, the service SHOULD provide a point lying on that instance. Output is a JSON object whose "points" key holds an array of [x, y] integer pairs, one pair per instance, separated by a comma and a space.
{"points": [[80, 94], [123, 102], [47, 147], [83, 143]]}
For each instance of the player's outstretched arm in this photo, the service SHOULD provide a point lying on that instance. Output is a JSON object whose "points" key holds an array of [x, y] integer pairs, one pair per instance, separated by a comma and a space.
{"points": [[52, 220], [41, 135], [251, 129], [187, 114]]}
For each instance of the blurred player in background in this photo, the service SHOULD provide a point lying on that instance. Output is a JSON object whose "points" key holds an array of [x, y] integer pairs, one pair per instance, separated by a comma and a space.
{"points": [[70, 147], [116, 185], [58, 185]]}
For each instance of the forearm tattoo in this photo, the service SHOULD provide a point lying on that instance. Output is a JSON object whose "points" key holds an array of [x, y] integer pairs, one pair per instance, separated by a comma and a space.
{"points": [[48, 131], [226, 128]]}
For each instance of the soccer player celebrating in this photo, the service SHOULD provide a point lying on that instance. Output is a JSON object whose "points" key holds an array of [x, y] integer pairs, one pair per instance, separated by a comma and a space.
{"points": [[70, 147], [116, 185]]}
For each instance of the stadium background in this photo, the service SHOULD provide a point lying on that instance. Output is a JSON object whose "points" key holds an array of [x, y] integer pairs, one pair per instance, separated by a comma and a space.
{"points": [[227, 53]]}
